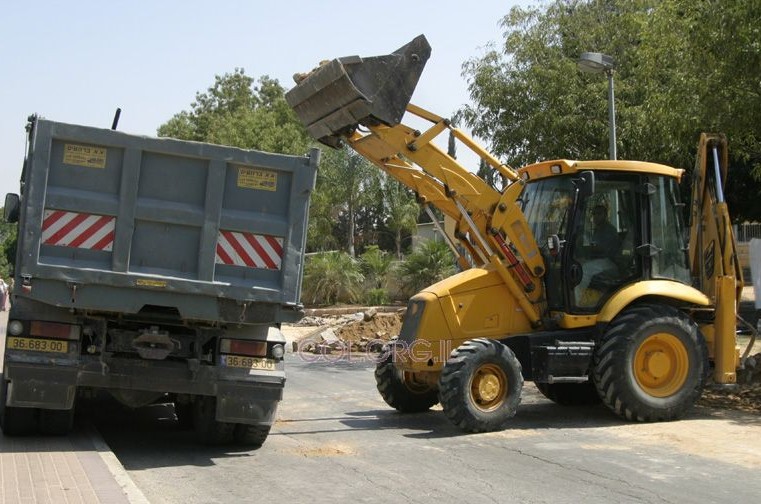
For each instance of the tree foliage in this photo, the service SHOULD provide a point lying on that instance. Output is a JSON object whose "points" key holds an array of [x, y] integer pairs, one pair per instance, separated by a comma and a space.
{"points": [[683, 67], [347, 202], [238, 111], [430, 263], [401, 211], [331, 277]]}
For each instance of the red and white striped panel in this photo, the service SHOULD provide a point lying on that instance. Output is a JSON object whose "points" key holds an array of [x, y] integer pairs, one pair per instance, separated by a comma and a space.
{"points": [[250, 250], [80, 230]]}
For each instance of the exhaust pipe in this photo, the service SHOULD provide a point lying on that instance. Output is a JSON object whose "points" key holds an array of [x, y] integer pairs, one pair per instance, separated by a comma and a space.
{"points": [[336, 97]]}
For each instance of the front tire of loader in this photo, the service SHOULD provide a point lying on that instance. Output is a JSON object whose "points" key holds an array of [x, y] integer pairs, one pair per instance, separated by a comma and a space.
{"points": [[207, 428], [402, 394], [651, 364], [480, 386], [570, 394]]}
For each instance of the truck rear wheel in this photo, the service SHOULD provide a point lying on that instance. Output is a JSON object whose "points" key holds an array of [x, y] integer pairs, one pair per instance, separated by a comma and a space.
{"points": [[480, 386], [570, 394], [16, 421], [399, 391], [56, 422], [651, 364], [251, 435], [207, 428]]}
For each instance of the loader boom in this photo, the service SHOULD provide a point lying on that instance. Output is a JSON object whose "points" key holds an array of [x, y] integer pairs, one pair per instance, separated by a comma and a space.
{"points": [[348, 101]]}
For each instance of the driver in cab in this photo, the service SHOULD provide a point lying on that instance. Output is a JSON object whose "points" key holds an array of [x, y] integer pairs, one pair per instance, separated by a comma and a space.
{"points": [[598, 255]]}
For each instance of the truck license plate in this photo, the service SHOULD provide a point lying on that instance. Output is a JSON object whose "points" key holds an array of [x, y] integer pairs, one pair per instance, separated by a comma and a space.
{"points": [[37, 345], [241, 361]]}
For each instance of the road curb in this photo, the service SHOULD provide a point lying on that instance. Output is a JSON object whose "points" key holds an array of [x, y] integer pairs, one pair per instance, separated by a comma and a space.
{"points": [[117, 470]]}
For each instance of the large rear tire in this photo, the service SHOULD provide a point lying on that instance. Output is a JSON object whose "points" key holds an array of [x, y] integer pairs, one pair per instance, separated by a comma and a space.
{"points": [[399, 391], [570, 394], [480, 386], [207, 428], [16, 421], [651, 364]]}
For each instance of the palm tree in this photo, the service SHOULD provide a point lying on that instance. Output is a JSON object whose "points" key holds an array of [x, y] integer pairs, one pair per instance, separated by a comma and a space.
{"points": [[401, 211]]}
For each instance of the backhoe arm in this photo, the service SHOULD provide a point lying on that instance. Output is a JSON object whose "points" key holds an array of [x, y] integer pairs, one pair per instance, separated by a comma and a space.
{"points": [[713, 252]]}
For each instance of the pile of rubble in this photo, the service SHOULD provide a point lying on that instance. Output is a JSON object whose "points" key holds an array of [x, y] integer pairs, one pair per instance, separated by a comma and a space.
{"points": [[745, 396], [365, 331]]}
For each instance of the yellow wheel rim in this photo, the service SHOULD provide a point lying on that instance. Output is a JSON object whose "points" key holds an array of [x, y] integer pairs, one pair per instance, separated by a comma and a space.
{"points": [[488, 388], [661, 365]]}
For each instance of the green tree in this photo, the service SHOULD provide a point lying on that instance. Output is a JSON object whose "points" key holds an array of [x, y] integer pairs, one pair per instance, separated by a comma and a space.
{"points": [[331, 277], [8, 241], [347, 187], [401, 211], [432, 262], [376, 266], [682, 67], [240, 112]]}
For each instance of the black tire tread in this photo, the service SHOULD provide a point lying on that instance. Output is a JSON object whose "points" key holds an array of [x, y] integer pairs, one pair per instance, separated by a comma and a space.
{"points": [[396, 394], [611, 382], [455, 379], [251, 435]]}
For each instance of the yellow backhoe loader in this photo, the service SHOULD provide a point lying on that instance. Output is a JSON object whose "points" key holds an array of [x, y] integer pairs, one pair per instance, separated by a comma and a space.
{"points": [[577, 276]]}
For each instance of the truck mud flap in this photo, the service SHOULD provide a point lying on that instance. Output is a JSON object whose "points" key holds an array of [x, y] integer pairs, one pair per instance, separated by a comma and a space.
{"points": [[49, 388], [336, 97], [248, 404]]}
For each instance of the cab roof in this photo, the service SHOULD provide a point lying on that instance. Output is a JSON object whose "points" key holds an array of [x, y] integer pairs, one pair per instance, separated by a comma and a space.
{"points": [[557, 167]]}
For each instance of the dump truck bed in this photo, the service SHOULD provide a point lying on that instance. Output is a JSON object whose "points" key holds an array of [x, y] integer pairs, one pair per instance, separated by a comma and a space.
{"points": [[114, 222]]}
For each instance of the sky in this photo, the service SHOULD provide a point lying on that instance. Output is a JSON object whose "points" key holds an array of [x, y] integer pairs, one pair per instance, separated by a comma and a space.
{"points": [[77, 61]]}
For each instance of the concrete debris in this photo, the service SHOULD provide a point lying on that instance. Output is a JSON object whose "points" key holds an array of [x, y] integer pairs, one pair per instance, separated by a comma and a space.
{"points": [[359, 332]]}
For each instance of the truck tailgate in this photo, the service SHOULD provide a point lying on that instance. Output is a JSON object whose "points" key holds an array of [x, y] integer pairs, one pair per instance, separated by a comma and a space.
{"points": [[118, 222]]}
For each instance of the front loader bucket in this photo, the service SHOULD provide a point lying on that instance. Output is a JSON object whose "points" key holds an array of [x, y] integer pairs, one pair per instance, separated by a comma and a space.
{"points": [[339, 95]]}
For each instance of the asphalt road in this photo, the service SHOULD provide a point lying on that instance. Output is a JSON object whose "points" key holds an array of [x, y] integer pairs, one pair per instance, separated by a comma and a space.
{"points": [[337, 441]]}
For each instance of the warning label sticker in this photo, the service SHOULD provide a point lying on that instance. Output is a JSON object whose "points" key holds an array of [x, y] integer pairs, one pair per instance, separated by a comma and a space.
{"points": [[88, 156], [255, 178], [147, 282]]}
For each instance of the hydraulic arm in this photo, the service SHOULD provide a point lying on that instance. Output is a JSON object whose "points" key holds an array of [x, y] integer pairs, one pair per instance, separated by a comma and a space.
{"points": [[713, 252], [361, 101]]}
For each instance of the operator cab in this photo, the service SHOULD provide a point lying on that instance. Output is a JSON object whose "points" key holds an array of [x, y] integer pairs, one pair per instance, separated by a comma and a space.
{"points": [[603, 229]]}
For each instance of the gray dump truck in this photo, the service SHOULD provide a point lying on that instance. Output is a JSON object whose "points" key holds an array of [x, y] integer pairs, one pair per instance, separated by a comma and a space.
{"points": [[157, 270]]}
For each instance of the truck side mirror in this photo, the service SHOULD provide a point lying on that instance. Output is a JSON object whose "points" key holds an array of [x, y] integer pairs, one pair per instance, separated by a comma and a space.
{"points": [[11, 208]]}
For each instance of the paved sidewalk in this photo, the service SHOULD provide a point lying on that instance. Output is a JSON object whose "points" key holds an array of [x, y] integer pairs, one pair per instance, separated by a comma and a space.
{"points": [[79, 468]]}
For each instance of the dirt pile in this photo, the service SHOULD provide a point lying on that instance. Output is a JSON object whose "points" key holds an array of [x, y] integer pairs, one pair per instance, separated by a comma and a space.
{"points": [[745, 396], [362, 331]]}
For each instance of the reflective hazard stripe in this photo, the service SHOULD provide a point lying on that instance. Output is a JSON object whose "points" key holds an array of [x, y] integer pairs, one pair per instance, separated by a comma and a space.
{"points": [[79, 230], [249, 250]]}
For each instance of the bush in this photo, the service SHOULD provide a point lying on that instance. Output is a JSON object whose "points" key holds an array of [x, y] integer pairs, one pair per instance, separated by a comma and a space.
{"points": [[430, 263], [331, 277], [376, 297]]}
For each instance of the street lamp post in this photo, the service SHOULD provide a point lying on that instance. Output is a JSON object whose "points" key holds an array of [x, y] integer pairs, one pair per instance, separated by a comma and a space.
{"points": [[593, 62]]}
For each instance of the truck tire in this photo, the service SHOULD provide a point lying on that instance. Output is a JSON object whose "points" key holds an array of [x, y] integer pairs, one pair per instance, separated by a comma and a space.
{"points": [[16, 421], [56, 422], [251, 435], [480, 386], [651, 364], [208, 430], [184, 413], [570, 394], [399, 393]]}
